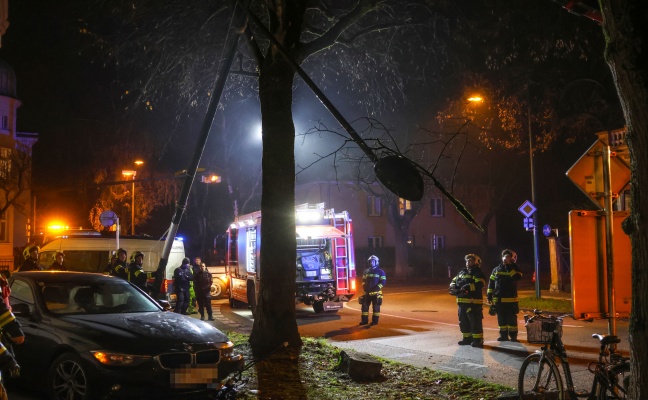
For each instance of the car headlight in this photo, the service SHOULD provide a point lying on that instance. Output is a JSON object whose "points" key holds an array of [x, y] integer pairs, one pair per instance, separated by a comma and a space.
{"points": [[227, 353], [119, 359]]}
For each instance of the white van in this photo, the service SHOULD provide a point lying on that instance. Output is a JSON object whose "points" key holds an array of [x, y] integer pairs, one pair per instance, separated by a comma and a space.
{"points": [[91, 253]]}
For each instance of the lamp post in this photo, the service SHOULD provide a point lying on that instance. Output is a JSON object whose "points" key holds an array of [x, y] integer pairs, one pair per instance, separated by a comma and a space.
{"points": [[131, 174], [478, 99]]}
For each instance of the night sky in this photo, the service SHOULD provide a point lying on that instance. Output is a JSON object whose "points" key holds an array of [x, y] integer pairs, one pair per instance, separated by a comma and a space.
{"points": [[70, 102]]}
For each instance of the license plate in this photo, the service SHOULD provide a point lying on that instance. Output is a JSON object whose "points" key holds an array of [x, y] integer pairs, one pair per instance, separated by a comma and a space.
{"points": [[194, 375], [311, 273]]}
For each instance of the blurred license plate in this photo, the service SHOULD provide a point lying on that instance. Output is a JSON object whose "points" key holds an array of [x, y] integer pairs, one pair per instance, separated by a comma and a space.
{"points": [[194, 375]]}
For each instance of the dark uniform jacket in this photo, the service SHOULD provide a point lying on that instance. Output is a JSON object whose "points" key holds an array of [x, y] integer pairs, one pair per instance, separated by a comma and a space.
{"points": [[202, 282], [373, 280], [10, 326], [468, 285], [120, 270], [57, 267], [502, 284], [30, 264], [182, 278], [137, 275]]}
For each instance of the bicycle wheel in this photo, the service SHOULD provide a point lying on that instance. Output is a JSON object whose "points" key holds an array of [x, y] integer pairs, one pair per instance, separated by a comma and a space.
{"points": [[540, 378], [619, 380]]}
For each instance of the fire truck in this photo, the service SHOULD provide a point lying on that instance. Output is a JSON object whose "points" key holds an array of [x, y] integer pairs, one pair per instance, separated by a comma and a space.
{"points": [[325, 263]]}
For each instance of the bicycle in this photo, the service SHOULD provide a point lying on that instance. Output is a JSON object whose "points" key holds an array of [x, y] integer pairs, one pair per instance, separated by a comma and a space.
{"points": [[540, 376]]}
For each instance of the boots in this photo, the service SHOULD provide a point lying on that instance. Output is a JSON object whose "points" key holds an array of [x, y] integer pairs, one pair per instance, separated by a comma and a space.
{"points": [[374, 320], [513, 336], [478, 343], [465, 341], [364, 320], [503, 336]]}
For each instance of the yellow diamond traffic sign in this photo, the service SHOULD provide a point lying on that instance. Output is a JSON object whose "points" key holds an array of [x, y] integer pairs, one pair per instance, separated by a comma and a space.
{"points": [[527, 209]]}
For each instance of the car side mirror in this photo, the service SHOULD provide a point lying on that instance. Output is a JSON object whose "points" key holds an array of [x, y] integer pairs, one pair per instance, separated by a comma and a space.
{"points": [[164, 304], [21, 310]]}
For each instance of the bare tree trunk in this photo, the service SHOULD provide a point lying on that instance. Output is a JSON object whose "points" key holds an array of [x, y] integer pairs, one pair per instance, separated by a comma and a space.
{"points": [[275, 321], [626, 30]]}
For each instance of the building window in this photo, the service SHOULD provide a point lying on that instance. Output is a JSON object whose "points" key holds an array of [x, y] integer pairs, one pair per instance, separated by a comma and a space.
{"points": [[5, 162], [374, 208], [374, 242], [438, 242], [436, 207], [4, 123], [404, 205]]}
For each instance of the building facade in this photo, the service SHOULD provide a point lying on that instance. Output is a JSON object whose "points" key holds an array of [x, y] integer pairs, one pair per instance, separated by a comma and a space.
{"points": [[437, 238], [15, 173]]}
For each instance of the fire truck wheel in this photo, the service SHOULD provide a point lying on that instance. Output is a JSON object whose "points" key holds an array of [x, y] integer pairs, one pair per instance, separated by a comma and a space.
{"points": [[318, 306], [217, 290], [252, 302]]}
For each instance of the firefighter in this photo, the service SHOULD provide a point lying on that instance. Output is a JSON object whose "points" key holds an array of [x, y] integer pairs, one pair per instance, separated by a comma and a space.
{"points": [[136, 273], [182, 278], [13, 333], [373, 280], [57, 265], [502, 293], [120, 267], [467, 286], [31, 260]]}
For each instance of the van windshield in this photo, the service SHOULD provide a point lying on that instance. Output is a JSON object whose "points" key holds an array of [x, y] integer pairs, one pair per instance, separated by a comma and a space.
{"points": [[78, 260]]}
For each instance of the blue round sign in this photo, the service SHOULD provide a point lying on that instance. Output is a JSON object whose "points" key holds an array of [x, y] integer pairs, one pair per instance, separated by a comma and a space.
{"points": [[546, 230]]}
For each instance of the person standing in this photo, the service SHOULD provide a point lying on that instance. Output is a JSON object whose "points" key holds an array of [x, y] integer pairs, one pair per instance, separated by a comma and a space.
{"points": [[57, 265], [202, 286], [120, 267], [373, 280], [502, 293], [11, 330], [111, 264], [468, 286], [182, 278], [31, 261], [136, 274]]}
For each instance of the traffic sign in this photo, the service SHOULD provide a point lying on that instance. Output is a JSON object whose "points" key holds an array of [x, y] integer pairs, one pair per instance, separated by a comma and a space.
{"points": [[108, 218], [527, 209], [528, 223], [587, 173], [546, 230]]}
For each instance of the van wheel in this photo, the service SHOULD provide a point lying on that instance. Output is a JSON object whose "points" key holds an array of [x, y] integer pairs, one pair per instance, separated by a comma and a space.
{"points": [[318, 306]]}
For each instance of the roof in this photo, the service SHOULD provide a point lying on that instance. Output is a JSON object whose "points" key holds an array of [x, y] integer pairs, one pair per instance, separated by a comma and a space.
{"points": [[318, 232]]}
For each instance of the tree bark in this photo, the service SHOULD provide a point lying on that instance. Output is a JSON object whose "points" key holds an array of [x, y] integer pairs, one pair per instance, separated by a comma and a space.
{"points": [[626, 29], [275, 323]]}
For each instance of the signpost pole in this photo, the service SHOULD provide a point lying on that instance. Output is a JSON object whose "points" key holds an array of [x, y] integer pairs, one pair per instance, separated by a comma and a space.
{"points": [[535, 218]]}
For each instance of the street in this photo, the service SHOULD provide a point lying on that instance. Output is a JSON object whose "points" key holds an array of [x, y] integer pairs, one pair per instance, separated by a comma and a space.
{"points": [[418, 326]]}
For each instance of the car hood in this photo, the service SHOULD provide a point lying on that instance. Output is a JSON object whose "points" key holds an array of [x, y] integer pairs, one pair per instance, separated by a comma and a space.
{"points": [[142, 333]]}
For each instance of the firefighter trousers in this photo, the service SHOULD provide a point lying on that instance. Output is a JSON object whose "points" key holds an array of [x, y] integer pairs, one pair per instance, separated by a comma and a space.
{"points": [[375, 301], [470, 320], [507, 318]]}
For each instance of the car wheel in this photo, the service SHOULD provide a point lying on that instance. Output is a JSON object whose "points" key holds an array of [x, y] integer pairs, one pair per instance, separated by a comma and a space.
{"points": [[217, 290], [318, 306], [68, 379]]}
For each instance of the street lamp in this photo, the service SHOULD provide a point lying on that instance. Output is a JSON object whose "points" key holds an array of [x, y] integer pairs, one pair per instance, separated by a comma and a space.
{"points": [[129, 173], [536, 264]]}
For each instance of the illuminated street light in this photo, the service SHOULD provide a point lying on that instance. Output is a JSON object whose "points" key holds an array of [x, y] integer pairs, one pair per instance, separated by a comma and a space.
{"points": [[131, 174], [536, 264], [211, 178]]}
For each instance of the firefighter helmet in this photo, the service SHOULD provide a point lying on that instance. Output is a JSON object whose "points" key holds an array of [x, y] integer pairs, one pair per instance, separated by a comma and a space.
{"points": [[56, 253], [474, 257], [121, 250], [28, 250], [138, 254], [511, 253], [371, 259]]}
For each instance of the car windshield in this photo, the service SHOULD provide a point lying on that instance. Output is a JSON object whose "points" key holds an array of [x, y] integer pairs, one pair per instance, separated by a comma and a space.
{"points": [[112, 296]]}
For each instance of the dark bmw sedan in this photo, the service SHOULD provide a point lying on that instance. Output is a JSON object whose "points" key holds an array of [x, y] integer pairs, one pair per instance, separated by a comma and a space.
{"points": [[90, 336]]}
